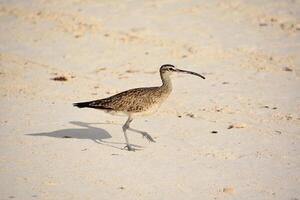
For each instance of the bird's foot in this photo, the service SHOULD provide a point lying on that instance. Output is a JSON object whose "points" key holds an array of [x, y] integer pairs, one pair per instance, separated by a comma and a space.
{"points": [[147, 136], [129, 148]]}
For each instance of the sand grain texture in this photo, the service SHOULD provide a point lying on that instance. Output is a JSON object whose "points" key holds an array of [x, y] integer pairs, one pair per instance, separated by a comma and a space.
{"points": [[235, 135]]}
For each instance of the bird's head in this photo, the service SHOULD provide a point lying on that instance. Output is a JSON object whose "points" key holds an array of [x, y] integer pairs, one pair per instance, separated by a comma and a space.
{"points": [[169, 69]]}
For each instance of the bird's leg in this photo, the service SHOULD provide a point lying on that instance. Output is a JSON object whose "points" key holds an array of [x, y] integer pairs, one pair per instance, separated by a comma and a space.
{"points": [[125, 127], [144, 134]]}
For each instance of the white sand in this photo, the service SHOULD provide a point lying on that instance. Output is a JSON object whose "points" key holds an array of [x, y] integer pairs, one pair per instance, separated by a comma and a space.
{"points": [[248, 50]]}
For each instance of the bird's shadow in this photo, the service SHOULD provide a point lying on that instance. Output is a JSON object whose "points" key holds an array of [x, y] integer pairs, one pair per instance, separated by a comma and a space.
{"points": [[87, 132]]}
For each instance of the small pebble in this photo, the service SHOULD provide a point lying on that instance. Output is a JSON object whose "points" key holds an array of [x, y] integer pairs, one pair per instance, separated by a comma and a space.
{"points": [[214, 132], [59, 78], [287, 69], [230, 127], [241, 125], [273, 20], [66, 136], [279, 132], [190, 115], [219, 109], [266, 106]]}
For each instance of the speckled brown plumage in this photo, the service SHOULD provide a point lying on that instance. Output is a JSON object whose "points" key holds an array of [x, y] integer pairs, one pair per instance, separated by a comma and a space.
{"points": [[132, 101]]}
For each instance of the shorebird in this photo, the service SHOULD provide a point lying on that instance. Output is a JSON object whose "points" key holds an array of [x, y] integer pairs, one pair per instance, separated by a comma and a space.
{"points": [[138, 101]]}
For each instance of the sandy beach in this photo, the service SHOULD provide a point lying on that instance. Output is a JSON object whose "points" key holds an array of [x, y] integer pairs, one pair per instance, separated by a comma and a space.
{"points": [[234, 135]]}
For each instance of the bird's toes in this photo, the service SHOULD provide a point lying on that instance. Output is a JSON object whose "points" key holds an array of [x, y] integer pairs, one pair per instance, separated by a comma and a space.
{"points": [[129, 148], [148, 137]]}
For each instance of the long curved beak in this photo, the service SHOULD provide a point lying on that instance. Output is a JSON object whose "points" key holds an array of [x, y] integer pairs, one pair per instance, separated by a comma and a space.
{"points": [[189, 72]]}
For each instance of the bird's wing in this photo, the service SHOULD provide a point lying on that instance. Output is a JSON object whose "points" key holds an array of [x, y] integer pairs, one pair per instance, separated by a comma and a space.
{"points": [[130, 100]]}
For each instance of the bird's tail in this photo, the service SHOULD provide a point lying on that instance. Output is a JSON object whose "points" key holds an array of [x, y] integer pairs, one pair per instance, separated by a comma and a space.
{"points": [[92, 104], [82, 104]]}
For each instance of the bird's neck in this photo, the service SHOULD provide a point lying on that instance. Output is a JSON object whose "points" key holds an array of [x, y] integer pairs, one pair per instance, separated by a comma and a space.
{"points": [[166, 82]]}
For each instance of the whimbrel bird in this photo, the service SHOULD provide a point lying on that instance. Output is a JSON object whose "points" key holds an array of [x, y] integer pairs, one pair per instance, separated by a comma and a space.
{"points": [[138, 101]]}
